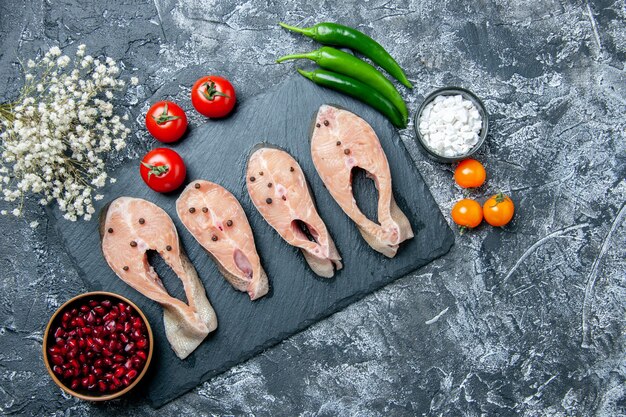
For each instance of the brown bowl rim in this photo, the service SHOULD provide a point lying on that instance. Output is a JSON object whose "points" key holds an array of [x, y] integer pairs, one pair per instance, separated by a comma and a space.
{"points": [[100, 397]]}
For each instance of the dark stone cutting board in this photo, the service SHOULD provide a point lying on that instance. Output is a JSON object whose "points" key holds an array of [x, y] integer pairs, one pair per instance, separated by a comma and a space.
{"points": [[217, 151]]}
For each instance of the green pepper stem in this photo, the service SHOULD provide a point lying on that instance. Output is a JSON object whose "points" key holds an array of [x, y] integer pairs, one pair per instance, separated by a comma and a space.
{"points": [[304, 31], [306, 74], [310, 55]]}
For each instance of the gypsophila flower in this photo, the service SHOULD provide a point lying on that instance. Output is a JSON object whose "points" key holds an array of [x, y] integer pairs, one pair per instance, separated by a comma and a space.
{"points": [[134, 80], [34, 224], [55, 139]]}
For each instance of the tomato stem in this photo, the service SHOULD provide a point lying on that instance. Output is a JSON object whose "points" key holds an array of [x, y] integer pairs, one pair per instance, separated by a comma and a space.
{"points": [[211, 92], [157, 170], [462, 230], [164, 117], [500, 198]]}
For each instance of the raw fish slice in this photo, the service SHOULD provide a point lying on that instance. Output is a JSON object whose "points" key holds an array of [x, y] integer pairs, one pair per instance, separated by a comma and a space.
{"points": [[131, 226], [340, 142], [216, 219], [279, 191]]}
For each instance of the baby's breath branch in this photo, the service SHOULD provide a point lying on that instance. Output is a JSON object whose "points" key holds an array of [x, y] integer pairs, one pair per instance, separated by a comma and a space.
{"points": [[56, 137]]}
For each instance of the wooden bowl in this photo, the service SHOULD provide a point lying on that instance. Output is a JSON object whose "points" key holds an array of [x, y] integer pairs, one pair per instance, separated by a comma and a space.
{"points": [[48, 341]]}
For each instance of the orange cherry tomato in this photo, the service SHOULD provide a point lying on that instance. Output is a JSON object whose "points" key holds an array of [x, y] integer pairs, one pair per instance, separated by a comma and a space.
{"points": [[499, 210], [470, 173], [467, 213]]}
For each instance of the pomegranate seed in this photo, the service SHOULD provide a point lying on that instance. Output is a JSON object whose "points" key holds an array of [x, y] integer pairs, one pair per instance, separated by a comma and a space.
{"points": [[142, 355], [106, 304], [99, 310], [98, 320], [136, 334], [71, 354], [136, 362], [54, 350], [102, 386], [127, 327], [68, 374], [59, 341], [90, 342], [116, 381], [74, 364], [98, 341], [128, 364], [93, 303], [119, 372], [131, 374], [118, 358], [110, 325], [112, 387], [84, 308], [91, 317], [59, 332], [80, 321], [75, 383], [82, 343], [107, 352], [98, 363], [96, 348], [92, 379], [107, 361], [130, 347], [87, 330], [56, 359], [124, 338], [137, 323], [85, 370], [82, 358], [73, 322], [120, 327], [66, 316], [108, 376], [142, 343], [71, 343], [74, 312], [126, 382], [90, 354], [57, 369], [97, 371]]}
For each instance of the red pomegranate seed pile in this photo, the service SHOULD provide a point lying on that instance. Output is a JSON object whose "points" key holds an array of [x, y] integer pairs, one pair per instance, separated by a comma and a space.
{"points": [[99, 346]]}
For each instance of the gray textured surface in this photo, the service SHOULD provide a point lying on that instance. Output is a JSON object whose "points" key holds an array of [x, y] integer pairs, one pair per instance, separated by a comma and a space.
{"points": [[498, 325], [218, 151]]}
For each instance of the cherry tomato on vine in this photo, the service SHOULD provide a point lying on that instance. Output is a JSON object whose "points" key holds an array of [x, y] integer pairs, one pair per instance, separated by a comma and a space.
{"points": [[467, 213], [470, 173], [166, 121], [213, 96], [499, 210], [163, 170]]}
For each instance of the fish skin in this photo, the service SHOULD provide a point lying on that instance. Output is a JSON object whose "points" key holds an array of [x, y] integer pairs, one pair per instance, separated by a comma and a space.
{"points": [[341, 141], [234, 243], [186, 325], [292, 201]]}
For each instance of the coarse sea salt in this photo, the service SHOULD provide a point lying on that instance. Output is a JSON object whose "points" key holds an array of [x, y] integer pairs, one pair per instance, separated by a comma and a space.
{"points": [[450, 125]]}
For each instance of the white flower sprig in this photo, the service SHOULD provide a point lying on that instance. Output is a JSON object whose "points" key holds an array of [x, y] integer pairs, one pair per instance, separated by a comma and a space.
{"points": [[56, 137]]}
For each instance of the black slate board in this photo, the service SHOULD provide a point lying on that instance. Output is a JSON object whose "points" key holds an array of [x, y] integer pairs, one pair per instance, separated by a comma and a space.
{"points": [[217, 151]]}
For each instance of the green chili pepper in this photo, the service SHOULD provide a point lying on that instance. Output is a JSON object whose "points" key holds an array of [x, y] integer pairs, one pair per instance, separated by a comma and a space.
{"points": [[343, 36], [335, 60], [358, 90]]}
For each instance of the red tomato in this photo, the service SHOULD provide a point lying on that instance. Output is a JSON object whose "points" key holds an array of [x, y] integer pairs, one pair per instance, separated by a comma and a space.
{"points": [[166, 121], [213, 96], [163, 170]]}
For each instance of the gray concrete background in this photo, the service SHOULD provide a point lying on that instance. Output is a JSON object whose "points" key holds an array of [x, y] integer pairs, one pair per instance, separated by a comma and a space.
{"points": [[525, 320]]}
